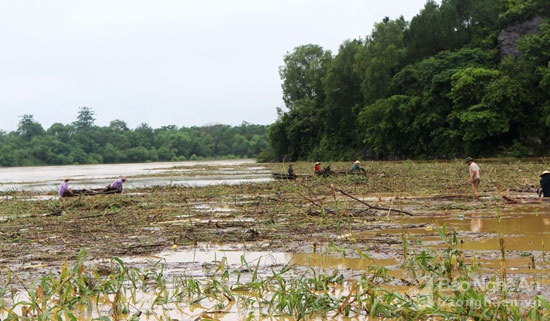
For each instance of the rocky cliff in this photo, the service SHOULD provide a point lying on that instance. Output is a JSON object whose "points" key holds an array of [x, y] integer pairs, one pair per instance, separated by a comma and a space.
{"points": [[507, 39]]}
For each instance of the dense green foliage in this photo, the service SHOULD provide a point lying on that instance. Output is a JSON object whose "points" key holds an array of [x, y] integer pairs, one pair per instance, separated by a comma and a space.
{"points": [[439, 86], [82, 142]]}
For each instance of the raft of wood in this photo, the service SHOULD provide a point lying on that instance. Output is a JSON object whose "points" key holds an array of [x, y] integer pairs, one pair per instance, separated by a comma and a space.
{"points": [[325, 172], [91, 192]]}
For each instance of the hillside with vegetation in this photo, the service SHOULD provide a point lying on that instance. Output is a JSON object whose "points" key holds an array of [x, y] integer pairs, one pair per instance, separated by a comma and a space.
{"points": [[463, 77]]}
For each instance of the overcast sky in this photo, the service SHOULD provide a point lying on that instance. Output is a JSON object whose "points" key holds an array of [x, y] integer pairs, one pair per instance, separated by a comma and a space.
{"points": [[165, 62]]}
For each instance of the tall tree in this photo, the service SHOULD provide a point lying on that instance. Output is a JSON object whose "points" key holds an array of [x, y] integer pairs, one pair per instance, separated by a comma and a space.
{"points": [[85, 118], [437, 28], [303, 93], [303, 73], [382, 58], [29, 128], [343, 98], [84, 139]]}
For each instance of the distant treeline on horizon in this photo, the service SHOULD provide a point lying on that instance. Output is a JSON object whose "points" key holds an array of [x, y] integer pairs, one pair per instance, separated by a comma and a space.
{"points": [[82, 142]]}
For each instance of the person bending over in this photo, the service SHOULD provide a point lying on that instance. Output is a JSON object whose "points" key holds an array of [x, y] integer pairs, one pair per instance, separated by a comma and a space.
{"points": [[63, 189], [117, 186]]}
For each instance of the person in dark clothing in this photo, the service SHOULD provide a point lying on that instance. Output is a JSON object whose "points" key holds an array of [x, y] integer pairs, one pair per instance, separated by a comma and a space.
{"points": [[290, 171], [544, 184], [357, 169], [356, 166]]}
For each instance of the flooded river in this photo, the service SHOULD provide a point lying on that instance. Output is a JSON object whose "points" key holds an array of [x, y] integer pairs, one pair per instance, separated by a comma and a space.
{"points": [[45, 179]]}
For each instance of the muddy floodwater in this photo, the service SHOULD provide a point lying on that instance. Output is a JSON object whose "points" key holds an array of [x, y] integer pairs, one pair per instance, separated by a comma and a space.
{"points": [[47, 178], [230, 221]]}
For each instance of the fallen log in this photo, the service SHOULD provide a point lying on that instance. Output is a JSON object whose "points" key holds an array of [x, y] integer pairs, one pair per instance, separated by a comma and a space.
{"points": [[54, 213]]}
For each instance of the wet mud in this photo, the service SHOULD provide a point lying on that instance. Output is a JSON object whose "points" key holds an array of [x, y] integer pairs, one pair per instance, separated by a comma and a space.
{"points": [[338, 223]]}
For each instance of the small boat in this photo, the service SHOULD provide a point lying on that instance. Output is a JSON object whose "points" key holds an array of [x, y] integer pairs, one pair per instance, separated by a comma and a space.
{"points": [[284, 176], [91, 192], [328, 172]]}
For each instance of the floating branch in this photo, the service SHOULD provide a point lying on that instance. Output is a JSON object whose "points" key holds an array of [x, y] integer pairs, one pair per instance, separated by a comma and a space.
{"points": [[374, 207]]}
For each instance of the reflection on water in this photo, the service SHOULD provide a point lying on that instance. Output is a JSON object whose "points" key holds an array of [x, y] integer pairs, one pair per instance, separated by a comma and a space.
{"points": [[267, 259], [46, 178], [524, 228], [231, 256], [332, 262], [521, 232], [204, 261], [476, 224]]}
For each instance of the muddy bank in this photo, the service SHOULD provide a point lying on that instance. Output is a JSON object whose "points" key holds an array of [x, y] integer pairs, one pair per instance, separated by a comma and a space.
{"points": [[399, 217], [375, 214]]}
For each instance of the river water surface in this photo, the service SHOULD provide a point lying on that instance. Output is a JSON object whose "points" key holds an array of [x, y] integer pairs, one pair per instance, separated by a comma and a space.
{"points": [[46, 178]]}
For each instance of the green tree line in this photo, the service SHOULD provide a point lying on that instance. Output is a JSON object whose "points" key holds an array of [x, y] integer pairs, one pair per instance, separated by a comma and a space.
{"points": [[83, 142], [443, 85]]}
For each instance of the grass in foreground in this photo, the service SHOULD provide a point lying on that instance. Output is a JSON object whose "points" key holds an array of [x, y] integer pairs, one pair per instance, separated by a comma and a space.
{"points": [[438, 285]]}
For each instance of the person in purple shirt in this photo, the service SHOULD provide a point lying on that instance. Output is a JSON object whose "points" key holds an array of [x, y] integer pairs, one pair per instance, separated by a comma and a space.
{"points": [[117, 186], [64, 189]]}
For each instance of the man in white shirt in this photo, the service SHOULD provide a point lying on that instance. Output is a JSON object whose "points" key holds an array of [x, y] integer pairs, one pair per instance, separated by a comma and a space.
{"points": [[475, 175]]}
